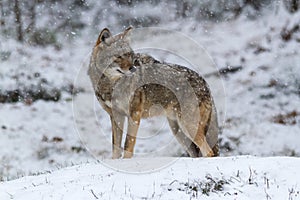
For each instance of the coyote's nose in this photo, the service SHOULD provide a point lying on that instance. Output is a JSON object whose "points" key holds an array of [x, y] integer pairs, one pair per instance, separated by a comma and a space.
{"points": [[132, 69]]}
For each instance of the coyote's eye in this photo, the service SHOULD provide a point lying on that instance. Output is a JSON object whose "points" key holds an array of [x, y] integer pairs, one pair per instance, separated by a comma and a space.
{"points": [[132, 69]]}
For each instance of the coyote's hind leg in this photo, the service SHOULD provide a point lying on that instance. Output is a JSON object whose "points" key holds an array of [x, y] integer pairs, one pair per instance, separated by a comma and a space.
{"points": [[187, 144], [200, 137]]}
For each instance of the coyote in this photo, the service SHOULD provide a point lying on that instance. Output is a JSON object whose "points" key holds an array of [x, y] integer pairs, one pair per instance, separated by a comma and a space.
{"points": [[129, 85]]}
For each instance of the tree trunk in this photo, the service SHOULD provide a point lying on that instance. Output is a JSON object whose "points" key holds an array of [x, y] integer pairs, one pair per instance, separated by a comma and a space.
{"points": [[294, 5], [32, 16], [2, 20], [18, 21]]}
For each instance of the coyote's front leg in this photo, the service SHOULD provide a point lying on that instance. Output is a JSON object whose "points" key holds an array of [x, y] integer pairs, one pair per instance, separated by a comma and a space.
{"points": [[117, 132], [133, 126]]}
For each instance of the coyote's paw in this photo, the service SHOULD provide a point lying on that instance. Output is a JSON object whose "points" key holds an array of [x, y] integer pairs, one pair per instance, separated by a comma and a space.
{"points": [[117, 154], [127, 154], [210, 154]]}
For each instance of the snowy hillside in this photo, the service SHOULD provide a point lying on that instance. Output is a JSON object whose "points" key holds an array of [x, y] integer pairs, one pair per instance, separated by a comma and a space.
{"points": [[213, 178], [52, 129]]}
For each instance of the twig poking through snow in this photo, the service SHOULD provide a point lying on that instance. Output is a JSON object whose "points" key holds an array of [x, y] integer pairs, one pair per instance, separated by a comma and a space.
{"points": [[250, 179], [92, 191]]}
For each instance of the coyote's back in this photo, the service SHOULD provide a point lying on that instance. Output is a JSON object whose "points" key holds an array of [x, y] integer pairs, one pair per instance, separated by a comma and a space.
{"points": [[181, 92]]}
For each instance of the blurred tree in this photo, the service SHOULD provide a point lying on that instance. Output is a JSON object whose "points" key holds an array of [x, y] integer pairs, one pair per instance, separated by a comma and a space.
{"points": [[292, 5], [219, 10], [135, 2], [32, 15], [254, 3], [124, 2], [18, 21], [22, 19], [2, 20], [184, 8]]}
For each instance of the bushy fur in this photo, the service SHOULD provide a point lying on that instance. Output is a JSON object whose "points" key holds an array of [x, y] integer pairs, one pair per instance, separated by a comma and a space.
{"points": [[131, 85]]}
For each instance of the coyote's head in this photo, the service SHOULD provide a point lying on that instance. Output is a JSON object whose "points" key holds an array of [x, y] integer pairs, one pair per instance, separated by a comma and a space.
{"points": [[112, 55]]}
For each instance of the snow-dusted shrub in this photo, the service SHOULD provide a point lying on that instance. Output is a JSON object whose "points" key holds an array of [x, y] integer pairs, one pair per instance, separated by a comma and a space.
{"points": [[43, 37]]}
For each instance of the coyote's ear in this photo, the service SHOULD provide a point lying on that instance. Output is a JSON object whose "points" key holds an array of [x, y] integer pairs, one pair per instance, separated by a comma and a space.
{"points": [[127, 32], [105, 33]]}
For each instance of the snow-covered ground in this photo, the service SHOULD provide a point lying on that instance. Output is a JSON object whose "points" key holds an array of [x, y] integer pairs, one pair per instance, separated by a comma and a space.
{"points": [[242, 177], [262, 118]]}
